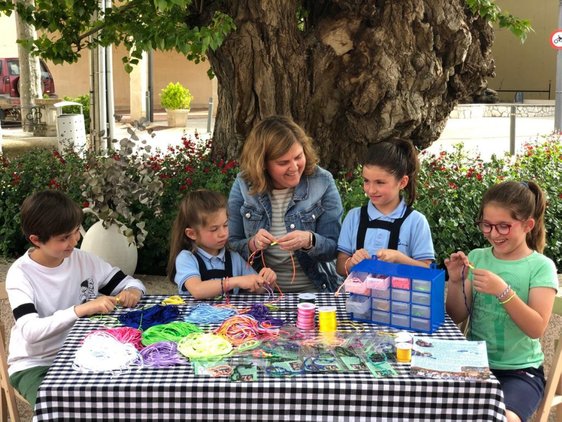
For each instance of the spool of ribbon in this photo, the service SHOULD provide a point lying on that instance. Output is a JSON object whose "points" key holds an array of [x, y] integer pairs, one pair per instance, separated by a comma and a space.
{"points": [[327, 320], [305, 316]]}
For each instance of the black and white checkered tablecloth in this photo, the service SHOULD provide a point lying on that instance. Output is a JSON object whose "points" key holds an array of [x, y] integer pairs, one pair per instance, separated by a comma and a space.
{"points": [[175, 393]]}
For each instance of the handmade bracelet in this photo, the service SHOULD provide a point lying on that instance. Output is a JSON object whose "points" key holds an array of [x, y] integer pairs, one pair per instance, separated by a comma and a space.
{"points": [[508, 299], [504, 294], [222, 286], [225, 285]]}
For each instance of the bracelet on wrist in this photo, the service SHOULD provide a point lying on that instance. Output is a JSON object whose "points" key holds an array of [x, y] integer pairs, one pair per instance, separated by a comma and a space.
{"points": [[508, 299], [504, 294]]}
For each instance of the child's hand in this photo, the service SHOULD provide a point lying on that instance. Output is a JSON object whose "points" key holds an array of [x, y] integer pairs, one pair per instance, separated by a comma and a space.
{"points": [[485, 281], [99, 305], [455, 264], [390, 255], [268, 275], [252, 282], [129, 297], [357, 257]]}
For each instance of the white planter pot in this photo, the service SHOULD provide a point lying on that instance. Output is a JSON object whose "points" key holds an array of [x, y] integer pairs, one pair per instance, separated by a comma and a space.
{"points": [[177, 118], [112, 246]]}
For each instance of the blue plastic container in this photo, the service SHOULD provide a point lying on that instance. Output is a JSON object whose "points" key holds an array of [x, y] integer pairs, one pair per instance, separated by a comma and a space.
{"points": [[417, 305]]}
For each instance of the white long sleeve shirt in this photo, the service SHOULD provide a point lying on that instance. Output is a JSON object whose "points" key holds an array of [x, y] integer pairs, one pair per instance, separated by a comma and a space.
{"points": [[43, 300]]}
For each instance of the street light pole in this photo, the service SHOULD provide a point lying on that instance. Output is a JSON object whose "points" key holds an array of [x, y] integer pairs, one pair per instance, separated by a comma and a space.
{"points": [[558, 102]]}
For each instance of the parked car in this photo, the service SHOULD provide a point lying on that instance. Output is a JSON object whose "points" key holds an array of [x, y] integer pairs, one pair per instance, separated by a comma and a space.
{"points": [[10, 87]]}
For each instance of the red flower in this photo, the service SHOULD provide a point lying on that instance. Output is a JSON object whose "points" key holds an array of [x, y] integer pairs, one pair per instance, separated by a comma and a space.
{"points": [[16, 179], [53, 184], [85, 204], [452, 185]]}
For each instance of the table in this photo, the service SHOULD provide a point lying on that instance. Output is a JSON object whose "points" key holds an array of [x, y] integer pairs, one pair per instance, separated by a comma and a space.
{"points": [[148, 394]]}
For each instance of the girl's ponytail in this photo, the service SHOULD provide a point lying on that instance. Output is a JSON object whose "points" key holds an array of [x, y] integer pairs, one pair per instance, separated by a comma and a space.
{"points": [[536, 238]]}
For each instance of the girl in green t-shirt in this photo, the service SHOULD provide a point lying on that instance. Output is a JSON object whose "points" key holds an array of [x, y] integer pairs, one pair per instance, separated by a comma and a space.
{"points": [[506, 291]]}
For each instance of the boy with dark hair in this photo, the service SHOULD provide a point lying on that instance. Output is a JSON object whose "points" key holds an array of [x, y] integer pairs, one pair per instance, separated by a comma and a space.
{"points": [[53, 284]]}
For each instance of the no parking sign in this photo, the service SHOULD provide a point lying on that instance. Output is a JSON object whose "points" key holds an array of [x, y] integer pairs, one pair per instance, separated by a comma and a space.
{"points": [[556, 39]]}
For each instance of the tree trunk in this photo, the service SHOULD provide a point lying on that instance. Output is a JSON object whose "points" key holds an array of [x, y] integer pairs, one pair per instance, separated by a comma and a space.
{"points": [[29, 85], [355, 72]]}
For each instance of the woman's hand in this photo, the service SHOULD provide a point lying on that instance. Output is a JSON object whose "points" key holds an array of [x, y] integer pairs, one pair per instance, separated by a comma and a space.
{"points": [[295, 240], [261, 240]]}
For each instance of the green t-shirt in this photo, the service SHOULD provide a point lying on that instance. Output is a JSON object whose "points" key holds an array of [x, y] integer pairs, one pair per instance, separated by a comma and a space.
{"points": [[508, 347]]}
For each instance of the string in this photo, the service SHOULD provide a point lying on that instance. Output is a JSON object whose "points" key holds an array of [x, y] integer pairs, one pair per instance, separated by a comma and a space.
{"points": [[106, 320], [123, 335], [468, 308], [149, 317], [173, 300], [172, 331], [204, 345], [241, 328], [293, 264], [261, 313], [161, 354], [204, 313], [101, 352]]}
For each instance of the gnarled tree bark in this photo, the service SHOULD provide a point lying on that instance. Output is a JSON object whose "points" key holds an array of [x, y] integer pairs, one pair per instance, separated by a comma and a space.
{"points": [[352, 72]]}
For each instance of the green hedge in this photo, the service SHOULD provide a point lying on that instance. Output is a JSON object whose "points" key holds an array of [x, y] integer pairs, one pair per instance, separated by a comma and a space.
{"points": [[450, 187]]}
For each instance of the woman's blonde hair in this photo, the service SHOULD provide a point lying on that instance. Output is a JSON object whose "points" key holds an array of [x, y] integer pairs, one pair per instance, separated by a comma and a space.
{"points": [[195, 208], [270, 139]]}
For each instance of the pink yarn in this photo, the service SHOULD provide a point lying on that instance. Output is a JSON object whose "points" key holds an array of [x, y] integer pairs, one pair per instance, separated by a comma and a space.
{"points": [[124, 335]]}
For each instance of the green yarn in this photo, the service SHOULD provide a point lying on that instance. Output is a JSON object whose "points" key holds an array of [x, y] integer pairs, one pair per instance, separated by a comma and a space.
{"points": [[173, 331]]}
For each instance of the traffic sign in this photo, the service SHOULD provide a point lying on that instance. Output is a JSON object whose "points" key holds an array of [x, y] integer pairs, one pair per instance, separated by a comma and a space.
{"points": [[556, 39]]}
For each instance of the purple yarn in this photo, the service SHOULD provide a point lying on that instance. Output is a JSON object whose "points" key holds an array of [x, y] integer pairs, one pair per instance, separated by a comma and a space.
{"points": [[261, 313], [161, 354]]}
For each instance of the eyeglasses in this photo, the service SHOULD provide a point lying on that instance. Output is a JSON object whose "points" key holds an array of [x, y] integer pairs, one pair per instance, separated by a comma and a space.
{"points": [[501, 228]]}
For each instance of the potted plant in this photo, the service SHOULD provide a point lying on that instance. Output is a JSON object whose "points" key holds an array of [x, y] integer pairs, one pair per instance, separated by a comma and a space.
{"points": [[116, 188], [176, 100]]}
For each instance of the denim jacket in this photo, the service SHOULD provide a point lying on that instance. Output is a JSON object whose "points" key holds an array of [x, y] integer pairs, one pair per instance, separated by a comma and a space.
{"points": [[316, 206]]}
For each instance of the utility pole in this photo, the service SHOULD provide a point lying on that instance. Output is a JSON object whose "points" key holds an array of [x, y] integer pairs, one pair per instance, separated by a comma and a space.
{"points": [[558, 102]]}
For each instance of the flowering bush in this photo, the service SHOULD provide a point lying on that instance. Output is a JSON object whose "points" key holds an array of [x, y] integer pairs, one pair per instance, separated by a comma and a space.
{"points": [[20, 177], [450, 188], [186, 167]]}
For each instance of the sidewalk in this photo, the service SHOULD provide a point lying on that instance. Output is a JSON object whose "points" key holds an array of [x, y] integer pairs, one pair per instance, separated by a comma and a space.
{"points": [[485, 135]]}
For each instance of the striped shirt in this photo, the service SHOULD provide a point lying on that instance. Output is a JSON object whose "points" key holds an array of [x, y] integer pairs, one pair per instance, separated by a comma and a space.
{"points": [[279, 260]]}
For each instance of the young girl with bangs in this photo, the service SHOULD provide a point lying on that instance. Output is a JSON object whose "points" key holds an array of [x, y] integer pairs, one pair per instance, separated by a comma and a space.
{"points": [[507, 290], [199, 261], [387, 227]]}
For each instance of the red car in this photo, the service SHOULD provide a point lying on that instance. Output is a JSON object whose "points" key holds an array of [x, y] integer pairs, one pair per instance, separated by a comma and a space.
{"points": [[9, 87]]}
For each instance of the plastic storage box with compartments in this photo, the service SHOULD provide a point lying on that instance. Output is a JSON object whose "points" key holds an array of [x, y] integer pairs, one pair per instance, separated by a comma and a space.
{"points": [[396, 295]]}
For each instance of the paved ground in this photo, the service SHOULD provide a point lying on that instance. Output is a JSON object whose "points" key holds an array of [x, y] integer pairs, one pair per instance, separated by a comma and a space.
{"points": [[486, 135]]}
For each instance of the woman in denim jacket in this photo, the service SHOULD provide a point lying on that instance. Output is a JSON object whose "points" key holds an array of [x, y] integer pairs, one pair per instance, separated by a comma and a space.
{"points": [[284, 209]]}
